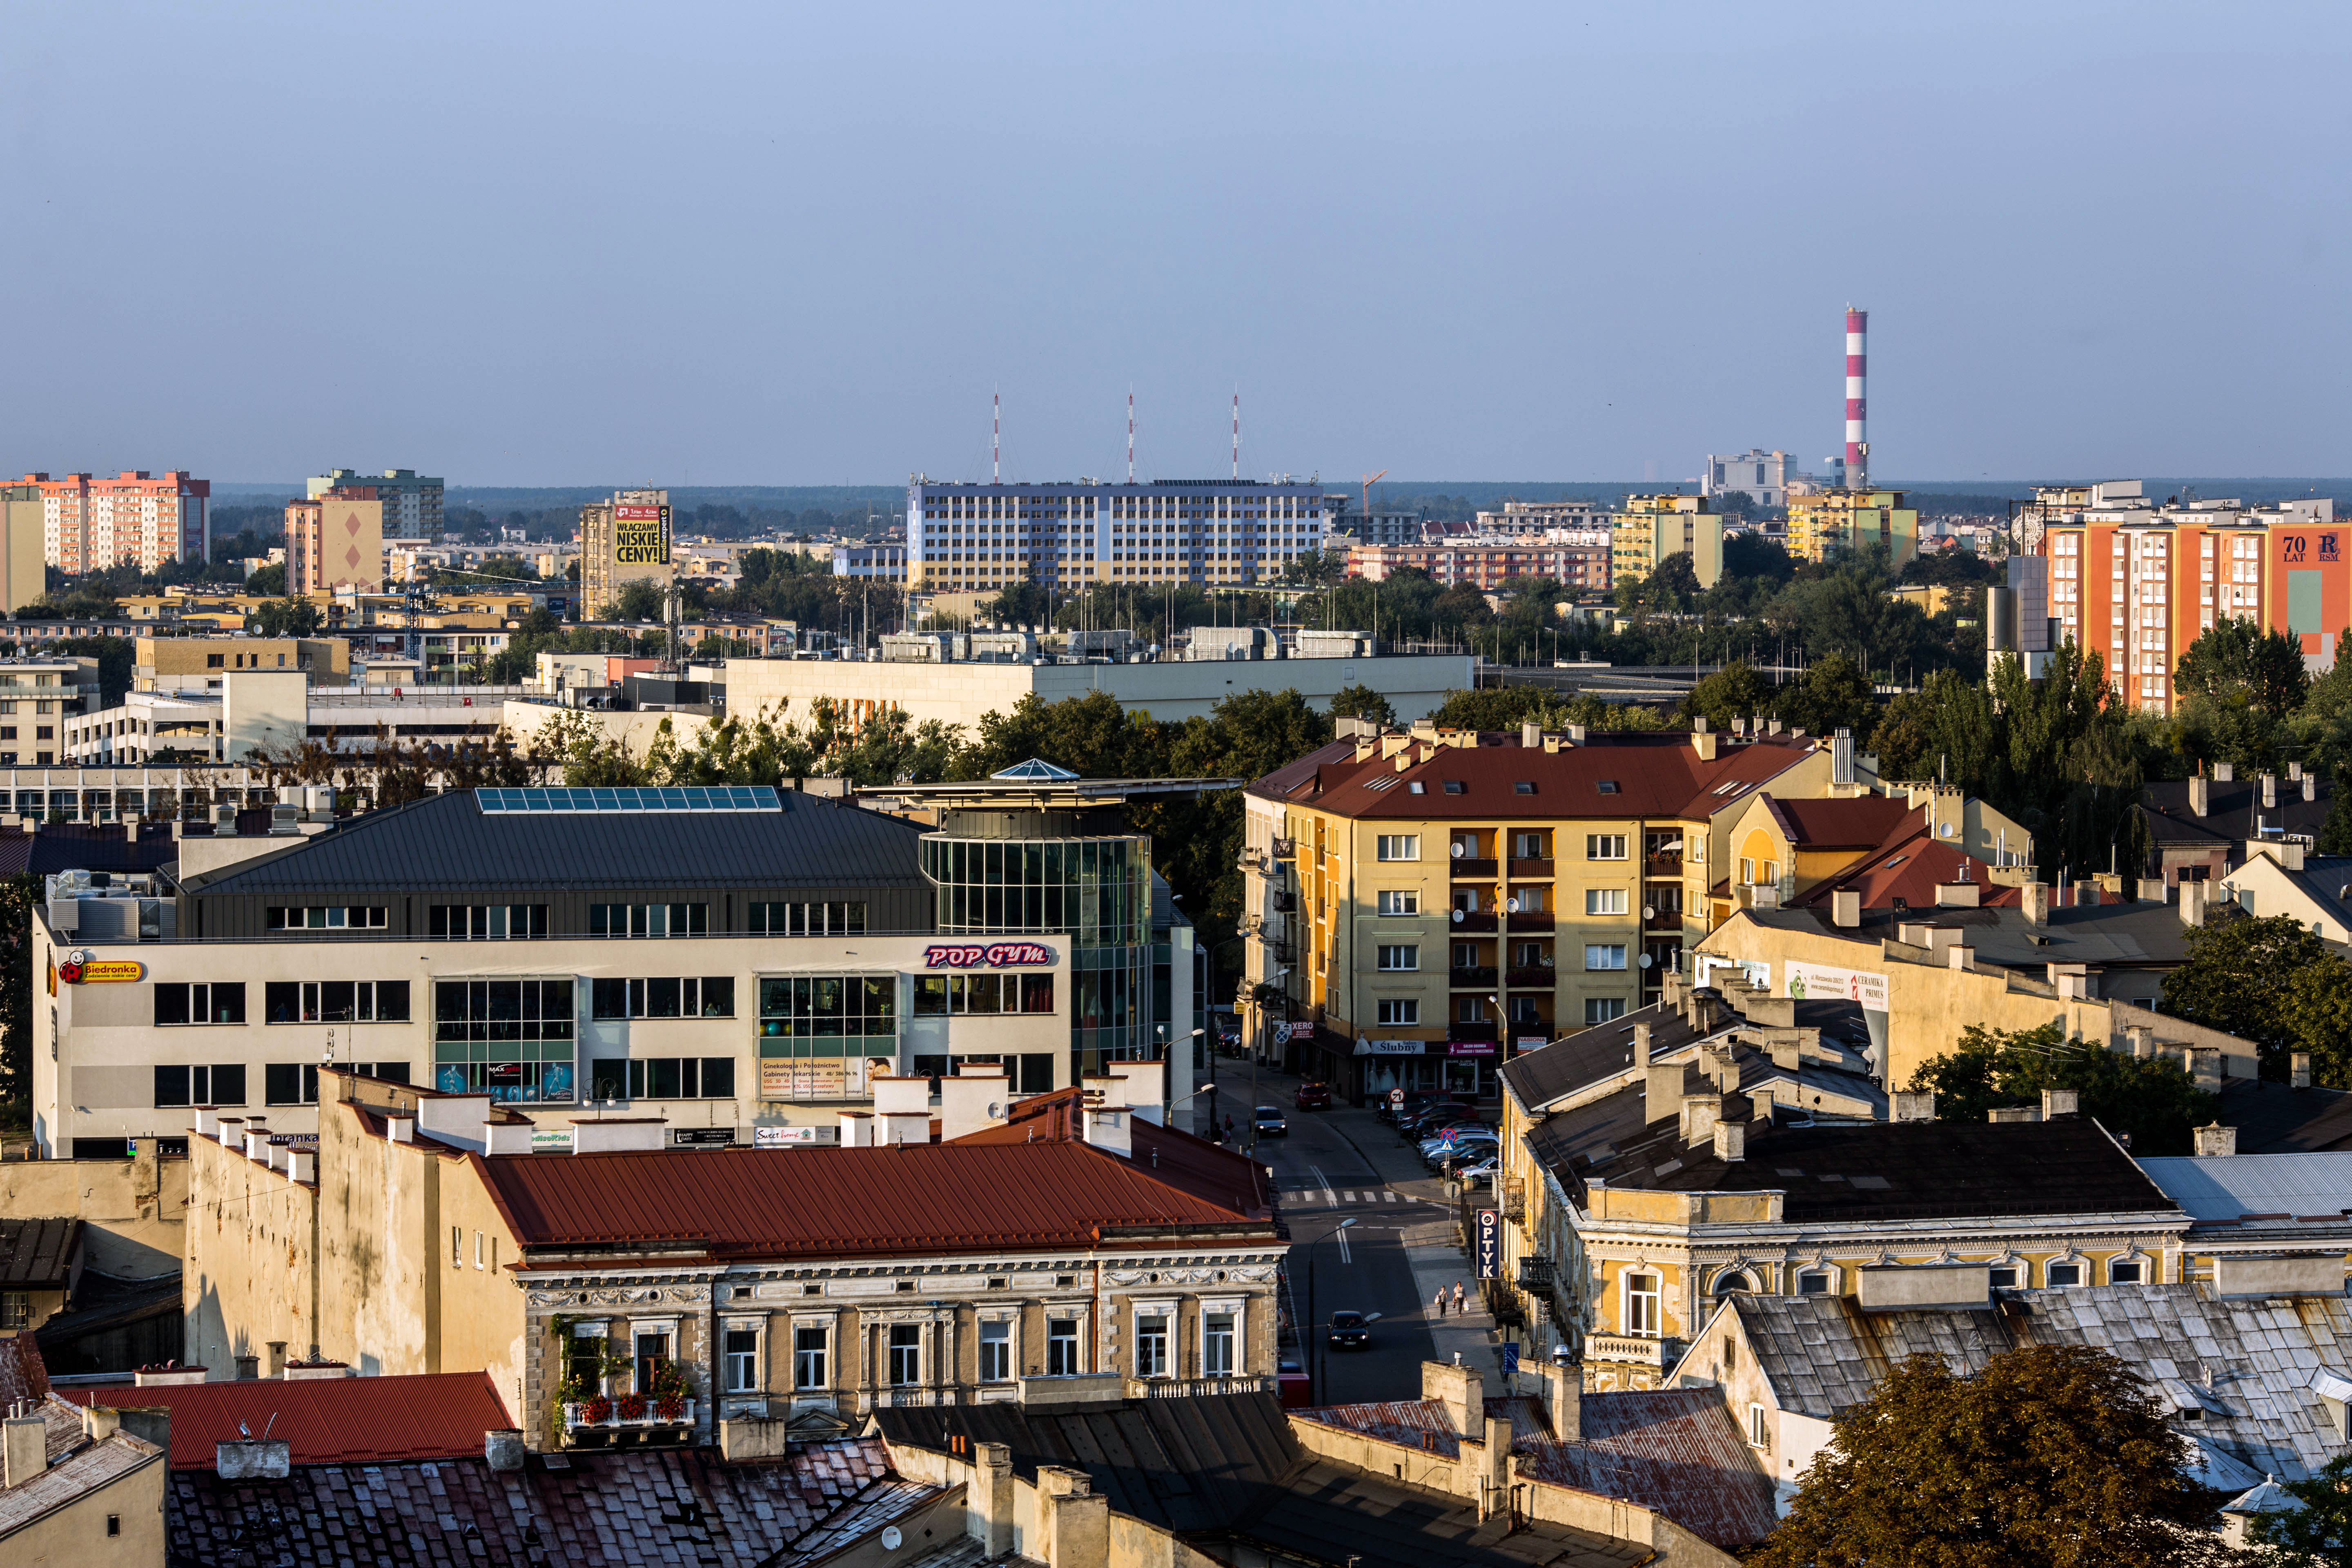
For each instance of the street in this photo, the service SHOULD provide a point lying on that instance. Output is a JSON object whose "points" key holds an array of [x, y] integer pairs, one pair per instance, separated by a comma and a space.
{"points": [[1346, 1164]]}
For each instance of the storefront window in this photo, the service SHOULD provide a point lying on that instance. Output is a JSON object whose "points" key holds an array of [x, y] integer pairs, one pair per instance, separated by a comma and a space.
{"points": [[817, 1030], [509, 1039]]}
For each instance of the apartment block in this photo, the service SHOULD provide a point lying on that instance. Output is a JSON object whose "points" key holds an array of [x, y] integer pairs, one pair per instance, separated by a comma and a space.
{"points": [[1209, 533], [335, 540], [1761, 476], [622, 541], [1577, 558], [1382, 526], [1831, 524], [24, 575], [88, 523], [412, 502], [1542, 516], [1651, 527], [2136, 581]]}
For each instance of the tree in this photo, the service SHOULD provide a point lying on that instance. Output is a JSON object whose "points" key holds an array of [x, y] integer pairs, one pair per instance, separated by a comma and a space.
{"points": [[1834, 695], [2236, 663], [285, 618], [1026, 603], [1751, 556], [2241, 978], [2054, 1454], [2150, 1100], [639, 600], [1946, 730], [118, 658], [269, 579], [1360, 701], [1731, 692], [2318, 1534]]}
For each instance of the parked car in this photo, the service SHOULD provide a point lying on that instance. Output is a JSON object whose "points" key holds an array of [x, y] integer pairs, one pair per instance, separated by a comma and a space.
{"points": [[1351, 1331], [1422, 1101], [1313, 1096], [1452, 1151], [1267, 1119], [1453, 1161], [1479, 1175], [1436, 1119]]}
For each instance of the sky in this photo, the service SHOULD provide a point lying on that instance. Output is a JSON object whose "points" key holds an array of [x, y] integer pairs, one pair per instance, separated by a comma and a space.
{"points": [[701, 244]]}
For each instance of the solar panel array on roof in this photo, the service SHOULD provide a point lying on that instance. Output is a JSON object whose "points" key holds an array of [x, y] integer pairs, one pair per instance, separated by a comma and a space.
{"points": [[692, 797]]}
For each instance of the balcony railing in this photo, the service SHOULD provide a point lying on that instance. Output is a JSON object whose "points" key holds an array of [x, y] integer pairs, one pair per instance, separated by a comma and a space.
{"points": [[1531, 920], [1473, 920], [1665, 919], [1465, 870], [1284, 848], [1638, 1349], [1475, 974], [1194, 1387], [1538, 977], [613, 1432], [1282, 900], [1531, 870], [1662, 864]]}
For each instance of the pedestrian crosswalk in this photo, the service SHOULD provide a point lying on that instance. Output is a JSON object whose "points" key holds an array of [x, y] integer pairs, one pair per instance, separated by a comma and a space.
{"points": [[1332, 1197]]}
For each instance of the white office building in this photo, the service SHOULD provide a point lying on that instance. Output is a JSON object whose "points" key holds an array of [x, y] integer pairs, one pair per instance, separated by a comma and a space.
{"points": [[1210, 532]]}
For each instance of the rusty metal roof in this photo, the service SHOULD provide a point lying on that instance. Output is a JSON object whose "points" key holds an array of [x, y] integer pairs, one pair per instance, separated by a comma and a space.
{"points": [[325, 1421], [898, 1199], [1675, 1450]]}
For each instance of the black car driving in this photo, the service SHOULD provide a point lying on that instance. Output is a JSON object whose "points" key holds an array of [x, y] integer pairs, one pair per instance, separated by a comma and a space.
{"points": [[1350, 1331]]}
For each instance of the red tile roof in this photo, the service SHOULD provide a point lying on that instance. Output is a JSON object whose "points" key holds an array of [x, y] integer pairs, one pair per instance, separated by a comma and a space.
{"points": [[1908, 863], [1674, 1450], [894, 1200], [1853, 822], [1208, 1172], [1655, 775], [23, 1373], [325, 1421]]}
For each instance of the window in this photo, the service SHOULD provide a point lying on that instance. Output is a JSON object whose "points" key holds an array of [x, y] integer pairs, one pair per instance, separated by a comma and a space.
{"points": [[653, 1354], [1608, 786], [1398, 847], [1396, 1010], [509, 1038], [742, 1360], [1598, 955], [647, 920], [2062, 1275], [2125, 1271], [662, 1078], [335, 1002], [217, 1085], [1814, 1282], [1602, 1009], [905, 1354], [1523, 786], [791, 920], [808, 1357], [1151, 1347], [710, 997], [1604, 900], [1604, 847], [2003, 1276], [1062, 1347], [15, 1310], [113, 1524], [1217, 1344], [334, 917], [1455, 786], [1399, 900], [997, 1352], [1759, 1433], [487, 921], [1400, 956], [832, 1005], [1731, 1280], [217, 1003], [1642, 1304]]}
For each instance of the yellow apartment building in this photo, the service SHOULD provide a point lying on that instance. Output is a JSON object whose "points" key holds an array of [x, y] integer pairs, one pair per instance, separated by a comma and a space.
{"points": [[1830, 523], [177, 664], [1651, 527]]}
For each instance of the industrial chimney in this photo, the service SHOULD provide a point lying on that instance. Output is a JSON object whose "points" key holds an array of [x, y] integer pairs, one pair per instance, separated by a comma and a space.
{"points": [[1857, 416]]}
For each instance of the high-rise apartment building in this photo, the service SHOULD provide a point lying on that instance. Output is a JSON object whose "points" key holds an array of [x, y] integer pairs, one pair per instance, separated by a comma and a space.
{"points": [[23, 576], [1761, 476], [622, 541], [335, 540], [1829, 523], [2135, 581], [1210, 532], [1652, 527], [1542, 516], [88, 523], [412, 502]]}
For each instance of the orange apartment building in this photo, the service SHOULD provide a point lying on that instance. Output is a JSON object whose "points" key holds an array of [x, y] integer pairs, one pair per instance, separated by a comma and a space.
{"points": [[1577, 558], [2136, 581], [335, 540], [88, 523]]}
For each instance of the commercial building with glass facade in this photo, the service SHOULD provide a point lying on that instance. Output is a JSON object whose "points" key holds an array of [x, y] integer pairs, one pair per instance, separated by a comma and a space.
{"points": [[739, 962]]}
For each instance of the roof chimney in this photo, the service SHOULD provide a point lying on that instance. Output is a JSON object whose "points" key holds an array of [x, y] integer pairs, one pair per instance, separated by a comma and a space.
{"points": [[2057, 1102], [1845, 908], [503, 1448], [2200, 795], [2037, 903], [1702, 741], [1641, 1047], [2309, 783], [2225, 773], [1730, 1141], [27, 1446], [1915, 1105], [1702, 1113], [1663, 1091], [1531, 734], [1842, 757], [2299, 1069], [2270, 791], [2215, 1142], [257, 1459]]}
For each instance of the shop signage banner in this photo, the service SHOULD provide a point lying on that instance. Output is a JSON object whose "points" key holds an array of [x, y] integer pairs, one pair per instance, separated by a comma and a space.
{"points": [[798, 1078], [1302, 1029], [1389, 1047], [83, 968], [294, 1140], [992, 955], [780, 1137], [701, 1137], [551, 1139], [1813, 982], [1490, 1244], [1469, 1047], [1531, 1042]]}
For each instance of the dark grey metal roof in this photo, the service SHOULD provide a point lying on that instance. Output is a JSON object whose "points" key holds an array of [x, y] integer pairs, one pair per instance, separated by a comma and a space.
{"points": [[448, 843], [38, 1252], [2144, 934]]}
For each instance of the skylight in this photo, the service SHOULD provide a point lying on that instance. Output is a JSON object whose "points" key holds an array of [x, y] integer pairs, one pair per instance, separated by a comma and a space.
{"points": [[561, 801], [1455, 786], [1608, 786], [1524, 787]]}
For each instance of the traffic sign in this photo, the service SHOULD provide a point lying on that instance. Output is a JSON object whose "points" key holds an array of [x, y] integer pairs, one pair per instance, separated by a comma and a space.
{"points": [[1490, 1244], [1396, 1097], [1510, 1358]]}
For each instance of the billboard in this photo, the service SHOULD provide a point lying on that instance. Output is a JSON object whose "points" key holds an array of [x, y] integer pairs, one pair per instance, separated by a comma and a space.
{"points": [[640, 535], [1816, 980]]}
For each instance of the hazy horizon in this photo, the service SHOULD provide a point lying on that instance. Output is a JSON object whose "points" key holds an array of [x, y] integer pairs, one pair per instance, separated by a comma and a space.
{"points": [[733, 245]]}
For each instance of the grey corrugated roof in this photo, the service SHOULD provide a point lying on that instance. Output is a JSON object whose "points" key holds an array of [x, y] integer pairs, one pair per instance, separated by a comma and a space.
{"points": [[2273, 1119], [1592, 1055], [2143, 934], [446, 843], [2293, 1185], [2246, 1366]]}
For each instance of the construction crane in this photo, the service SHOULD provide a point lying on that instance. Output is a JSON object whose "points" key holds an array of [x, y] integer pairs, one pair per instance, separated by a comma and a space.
{"points": [[1370, 481]]}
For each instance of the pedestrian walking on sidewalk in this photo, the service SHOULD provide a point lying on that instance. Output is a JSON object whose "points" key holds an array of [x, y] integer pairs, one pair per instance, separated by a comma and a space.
{"points": [[1458, 1308], [1441, 1301]]}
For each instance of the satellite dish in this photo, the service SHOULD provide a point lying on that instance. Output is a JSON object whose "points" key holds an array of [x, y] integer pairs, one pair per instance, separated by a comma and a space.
{"points": [[1648, 912], [1457, 917], [1512, 906], [994, 1110], [1646, 961], [890, 1537], [1458, 847], [1949, 831]]}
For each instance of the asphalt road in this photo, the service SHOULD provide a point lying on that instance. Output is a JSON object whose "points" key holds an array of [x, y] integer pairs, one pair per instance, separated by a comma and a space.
{"points": [[1345, 1164]]}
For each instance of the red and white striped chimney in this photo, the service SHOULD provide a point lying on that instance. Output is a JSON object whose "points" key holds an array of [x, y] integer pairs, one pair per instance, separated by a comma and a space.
{"points": [[1857, 416]]}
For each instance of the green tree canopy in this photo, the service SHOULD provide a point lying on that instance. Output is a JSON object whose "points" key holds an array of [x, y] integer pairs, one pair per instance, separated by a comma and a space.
{"points": [[2149, 1099], [2054, 1456], [1361, 701], [2267, 980], [2319, 1534], [284, 619], [1732, 692], [639, 600], [269, 579], [2236, 663]]}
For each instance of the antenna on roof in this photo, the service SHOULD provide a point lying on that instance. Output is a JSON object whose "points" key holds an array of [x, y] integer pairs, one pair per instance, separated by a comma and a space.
{"points": [[1130, 435], [1237, 433], [995, 438]]}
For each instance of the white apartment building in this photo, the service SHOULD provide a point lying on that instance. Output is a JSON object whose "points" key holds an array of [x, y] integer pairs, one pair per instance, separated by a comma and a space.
{"points": [[412, 502], [1543, 516], [1210, 532], [1761, 476]]}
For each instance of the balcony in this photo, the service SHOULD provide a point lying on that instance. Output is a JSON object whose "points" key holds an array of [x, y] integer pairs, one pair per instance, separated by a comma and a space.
{"points": [[1662, 865], [1662, 919], [611, 1429], [1531, 870], [1473, 920], [1196, 1387], [1533, 978], [1512, 1200], [1625, 1349], [1469, 870], [1477, 975], [1532, 920], [1282, 901]]}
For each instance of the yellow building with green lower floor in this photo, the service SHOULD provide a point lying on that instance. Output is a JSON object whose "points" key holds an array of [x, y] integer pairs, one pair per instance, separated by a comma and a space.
{"points": [[1832, 523], [1649, 527]]}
